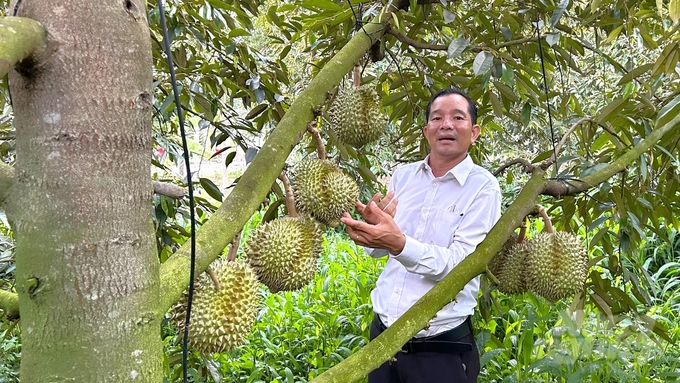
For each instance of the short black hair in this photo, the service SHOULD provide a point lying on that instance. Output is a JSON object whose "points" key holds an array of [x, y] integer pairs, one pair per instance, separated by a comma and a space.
{"points": [[472, 107]]}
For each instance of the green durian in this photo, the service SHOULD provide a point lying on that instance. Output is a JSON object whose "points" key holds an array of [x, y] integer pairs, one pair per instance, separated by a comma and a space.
{"points": [[508, 266], [556, 265], [356, 115], [284, 252], [323, 191], [220, 319]]}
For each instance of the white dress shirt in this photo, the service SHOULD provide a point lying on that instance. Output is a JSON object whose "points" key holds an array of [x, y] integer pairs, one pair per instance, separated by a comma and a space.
{"points": [[444, 219]]}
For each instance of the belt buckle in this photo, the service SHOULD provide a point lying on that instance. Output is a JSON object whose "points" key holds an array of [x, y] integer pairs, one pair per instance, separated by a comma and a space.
{"points": [[407, 347]]}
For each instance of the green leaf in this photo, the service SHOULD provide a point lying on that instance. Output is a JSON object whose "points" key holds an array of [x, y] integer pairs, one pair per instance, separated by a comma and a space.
{"points": [[506, 91], [230, 157], [457, 47], [674, 10], [272, 211], [668, 112], [609, 109], [635, 73], [526, 114], [238, 32], [543, 156], [256, 111], [482, 62], [211, 189]]}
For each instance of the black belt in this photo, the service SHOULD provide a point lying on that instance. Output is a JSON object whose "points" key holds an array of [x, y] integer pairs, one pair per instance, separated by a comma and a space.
{"points": [[446, 342]]}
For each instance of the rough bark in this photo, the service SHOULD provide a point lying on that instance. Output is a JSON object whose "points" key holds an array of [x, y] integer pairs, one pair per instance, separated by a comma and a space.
{"points": [[87, 270]]}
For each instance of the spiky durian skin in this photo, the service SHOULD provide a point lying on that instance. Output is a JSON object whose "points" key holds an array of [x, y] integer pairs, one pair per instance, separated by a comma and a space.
{"points": [[510, 273], [284, 252], [220, 319], [556, 265], [323, 191], [356, 116]]}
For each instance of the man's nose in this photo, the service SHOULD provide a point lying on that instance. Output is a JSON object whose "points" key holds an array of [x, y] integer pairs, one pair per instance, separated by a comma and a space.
{"points": [[447, 123]]}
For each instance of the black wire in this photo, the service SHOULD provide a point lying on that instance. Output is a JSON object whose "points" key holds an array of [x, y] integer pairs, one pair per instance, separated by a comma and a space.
{"points": [[545, 87], [16, 7], [178, 105]]}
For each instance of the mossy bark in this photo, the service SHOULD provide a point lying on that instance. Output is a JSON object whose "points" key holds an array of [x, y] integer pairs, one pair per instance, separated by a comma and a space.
{"points": [[87, 272]]}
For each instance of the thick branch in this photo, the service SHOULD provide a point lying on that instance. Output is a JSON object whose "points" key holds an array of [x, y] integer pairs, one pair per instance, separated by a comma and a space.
{"points": [[168, 189], [19, 39], [561, 188], [9, 304], [254, 185]]}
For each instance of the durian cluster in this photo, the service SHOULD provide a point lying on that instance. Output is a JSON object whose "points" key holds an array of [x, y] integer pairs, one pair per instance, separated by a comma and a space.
{"points": [[552, 265], [220, 319], [356, 116]]}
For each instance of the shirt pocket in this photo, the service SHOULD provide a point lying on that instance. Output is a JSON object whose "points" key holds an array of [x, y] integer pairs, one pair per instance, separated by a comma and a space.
{"points": [[448, 221]]}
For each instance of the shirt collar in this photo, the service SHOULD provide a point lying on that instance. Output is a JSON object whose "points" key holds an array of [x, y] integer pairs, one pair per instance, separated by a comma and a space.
{"points": [[460, 172]]}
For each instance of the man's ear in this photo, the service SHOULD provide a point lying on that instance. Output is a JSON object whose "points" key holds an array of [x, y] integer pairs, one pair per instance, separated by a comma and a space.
{"points": [[476, 130]]}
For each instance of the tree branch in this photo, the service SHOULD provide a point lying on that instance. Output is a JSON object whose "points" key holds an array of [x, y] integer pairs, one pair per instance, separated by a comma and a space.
{"points": [[168, 189], [20, 38], [9, 303], [528, 167], [546, 164], [6, 179], [435, 47]]}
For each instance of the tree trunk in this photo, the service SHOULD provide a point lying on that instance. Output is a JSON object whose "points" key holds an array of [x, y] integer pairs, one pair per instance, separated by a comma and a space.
{"points": [[87, 271]]}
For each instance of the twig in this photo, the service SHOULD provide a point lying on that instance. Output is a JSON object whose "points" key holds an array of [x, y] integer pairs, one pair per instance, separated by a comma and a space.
{"points": [[522, 231], [356, 74], [492, 277], [546, 164], [320, 146], [528, 167], [290, 197], [546, 219], [231, 255], [213, 277]]}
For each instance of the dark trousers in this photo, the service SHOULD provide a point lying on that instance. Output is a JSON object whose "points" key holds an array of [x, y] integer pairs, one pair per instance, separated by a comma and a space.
{"points": [[428, 367]]}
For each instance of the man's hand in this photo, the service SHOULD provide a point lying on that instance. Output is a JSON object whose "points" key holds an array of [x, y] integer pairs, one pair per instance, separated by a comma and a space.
{"points": [[387, 204], [379, 230]]}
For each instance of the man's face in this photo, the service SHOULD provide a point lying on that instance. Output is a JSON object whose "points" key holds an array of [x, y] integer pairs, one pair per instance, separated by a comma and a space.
{"points": [[449, 129]]}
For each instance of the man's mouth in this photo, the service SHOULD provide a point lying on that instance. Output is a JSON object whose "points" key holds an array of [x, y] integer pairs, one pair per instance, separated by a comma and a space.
{"points": [[447, 138]]}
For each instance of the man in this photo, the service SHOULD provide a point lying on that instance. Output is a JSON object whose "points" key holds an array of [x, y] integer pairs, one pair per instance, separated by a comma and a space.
{"points": [[447, 205]]}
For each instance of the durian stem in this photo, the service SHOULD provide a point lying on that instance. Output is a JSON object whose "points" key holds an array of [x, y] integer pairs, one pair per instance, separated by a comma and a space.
{"points": [[320, 146], [290, 197], [522, 231], [546, 220], [231, 255], [213, 278], [356, 74], [492, 277]]}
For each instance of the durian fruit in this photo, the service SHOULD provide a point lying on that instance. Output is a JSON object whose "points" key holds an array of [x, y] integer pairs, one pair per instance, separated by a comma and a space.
{"points": [[508, 266], [220, 319], [511, 278], [322, 190], [556, 265], [356, 115], [284, 252]]}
